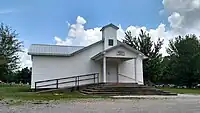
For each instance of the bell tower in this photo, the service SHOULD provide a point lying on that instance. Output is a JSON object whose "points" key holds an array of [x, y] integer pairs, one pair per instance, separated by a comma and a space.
{"points": [[109, 35]]}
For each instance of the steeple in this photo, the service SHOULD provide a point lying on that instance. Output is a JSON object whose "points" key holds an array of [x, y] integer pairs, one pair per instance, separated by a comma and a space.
{"points": [[109, 35]]}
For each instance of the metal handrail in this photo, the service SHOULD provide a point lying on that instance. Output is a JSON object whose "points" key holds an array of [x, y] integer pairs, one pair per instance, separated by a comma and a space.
{"points": [[67, 77], [76, 80], [126, 76]]}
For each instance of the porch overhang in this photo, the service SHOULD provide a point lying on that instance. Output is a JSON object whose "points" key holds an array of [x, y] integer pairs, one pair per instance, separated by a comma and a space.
{"points": [[120, 51], [101, 55]]}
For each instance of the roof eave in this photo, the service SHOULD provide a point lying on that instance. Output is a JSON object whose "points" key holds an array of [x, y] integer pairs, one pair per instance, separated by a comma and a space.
{"points": [[145, 57], [47, 54], [85, 48], [97, 55]]}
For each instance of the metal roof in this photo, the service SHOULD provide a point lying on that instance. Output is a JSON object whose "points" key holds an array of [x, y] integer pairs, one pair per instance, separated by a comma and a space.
{"points": [[110, 25], [43, 49]]}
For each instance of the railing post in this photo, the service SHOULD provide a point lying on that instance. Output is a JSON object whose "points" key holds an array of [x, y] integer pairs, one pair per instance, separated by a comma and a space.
{"points": [[35, 86], [56, 83], [78, 82], [94, 78], [75, 81], [98, 78]]}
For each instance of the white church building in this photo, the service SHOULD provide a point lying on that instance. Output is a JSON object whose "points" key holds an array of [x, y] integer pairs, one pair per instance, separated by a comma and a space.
{"points": [[112, 60]]}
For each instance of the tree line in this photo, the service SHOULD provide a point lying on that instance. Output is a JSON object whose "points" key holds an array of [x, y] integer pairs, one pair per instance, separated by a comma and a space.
{"points": [[180, 67]]}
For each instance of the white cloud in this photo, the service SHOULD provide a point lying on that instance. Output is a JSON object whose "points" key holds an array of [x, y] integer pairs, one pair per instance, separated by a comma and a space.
{"points": [[61, 42], [161, 12], [80, 20], [159, 32], [184, 15], [25, 59], [120, 33], [175, 20], [78, 35], [6, 11], [68, 24]]}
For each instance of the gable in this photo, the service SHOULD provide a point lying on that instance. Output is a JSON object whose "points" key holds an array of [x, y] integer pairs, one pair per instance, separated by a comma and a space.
{"points": [[121, 52]]}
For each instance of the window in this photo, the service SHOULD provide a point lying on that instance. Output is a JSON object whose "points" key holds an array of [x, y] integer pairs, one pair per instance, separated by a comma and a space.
{"points": [[110, 42]]}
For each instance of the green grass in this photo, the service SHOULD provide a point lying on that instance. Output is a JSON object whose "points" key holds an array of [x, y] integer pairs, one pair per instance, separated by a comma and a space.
{"points": [[182, 90], [23, 92]]}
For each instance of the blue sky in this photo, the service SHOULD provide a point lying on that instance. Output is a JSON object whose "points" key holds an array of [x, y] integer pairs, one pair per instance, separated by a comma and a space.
{"points": [[46, 21], [38, 21]]}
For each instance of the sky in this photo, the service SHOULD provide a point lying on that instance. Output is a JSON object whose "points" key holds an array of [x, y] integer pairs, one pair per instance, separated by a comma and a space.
{"points": [[78, 22]]}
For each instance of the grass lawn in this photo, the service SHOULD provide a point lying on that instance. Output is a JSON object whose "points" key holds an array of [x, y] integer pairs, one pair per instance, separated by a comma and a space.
{"points": [[23, 92], [182, 90]]}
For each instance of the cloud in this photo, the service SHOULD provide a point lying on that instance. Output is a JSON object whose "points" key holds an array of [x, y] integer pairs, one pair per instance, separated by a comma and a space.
{"points": [[175, 20], [78, 35], [80, 20], [25, 59], [184, 16], [159, 32], [68, 24], [61, 42], [161, 12], [6, 11]]}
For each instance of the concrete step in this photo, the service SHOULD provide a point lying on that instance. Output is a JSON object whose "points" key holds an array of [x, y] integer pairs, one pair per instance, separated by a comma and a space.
{"points": [[119, 87], [131, 90], [122, 89], [123, 93]]}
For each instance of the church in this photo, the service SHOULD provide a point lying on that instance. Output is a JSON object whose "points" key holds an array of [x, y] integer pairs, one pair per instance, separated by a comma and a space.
{"points": [[109, 59]]}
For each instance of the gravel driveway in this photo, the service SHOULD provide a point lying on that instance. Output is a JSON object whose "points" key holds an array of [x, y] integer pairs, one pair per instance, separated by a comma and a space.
{"points": [[177, 105]]}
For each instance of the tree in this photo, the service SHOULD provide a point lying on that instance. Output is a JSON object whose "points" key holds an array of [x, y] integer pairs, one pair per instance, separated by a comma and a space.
{"points": [[144, 43], [167, 70], [2, 60], [23, 76], [10, 46], [184, 52]]}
